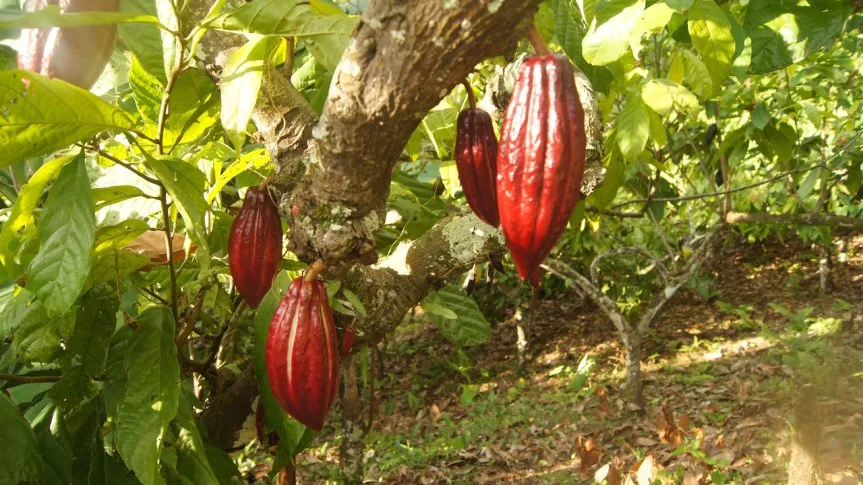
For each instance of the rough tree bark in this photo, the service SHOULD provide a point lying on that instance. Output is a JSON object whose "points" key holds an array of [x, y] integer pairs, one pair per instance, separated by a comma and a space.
{"points": [[352, 447]]}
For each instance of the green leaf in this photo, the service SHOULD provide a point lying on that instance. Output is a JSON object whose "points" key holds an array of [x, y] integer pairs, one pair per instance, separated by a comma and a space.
{"points": [[614, 178], [41, 115], [282, 18], [66, 229], [39, 338], [449, 177], [21, 460], [711, 35], [783, 34], [679, 5], [91, 335], [105, 196], [223, 466], [355, 302], [760, 116], [241, 82], [469, 328], [651, 21], [633, 128], [143, 39], [149, 377], [608, 37], [697, 75], [49, 427], [661, 95], [28, 198], [433, 306], [192, 466], [51, 16], [185, 183], [657, 129], [166, 10]]}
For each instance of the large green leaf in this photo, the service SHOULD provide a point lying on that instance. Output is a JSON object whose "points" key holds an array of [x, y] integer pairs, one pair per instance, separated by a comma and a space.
{"points": [[94, 325], [241, 82], [662, 95], [192, 466], [783, 34], [282, 17], [652, 20], [41, 115], [51, 16], [711, 35], [469, 327], [49, 428], [143, 39], [66, 229], [21, 460], [38, 337], [148, 378], [633, 127], [28, 198], [608, 37], [185, 183]]}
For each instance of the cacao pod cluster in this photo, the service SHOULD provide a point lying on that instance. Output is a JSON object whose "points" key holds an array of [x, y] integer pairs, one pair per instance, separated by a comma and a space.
{"points": [[77, 55], [536, 174], [255, 245], [302, 353]]}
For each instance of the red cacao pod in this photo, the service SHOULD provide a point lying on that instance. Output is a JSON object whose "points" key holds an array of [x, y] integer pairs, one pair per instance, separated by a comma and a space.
{"points": [[255, 245], [540, 160], [302, 353], [77, 55], [348, 339], [476, 161]]}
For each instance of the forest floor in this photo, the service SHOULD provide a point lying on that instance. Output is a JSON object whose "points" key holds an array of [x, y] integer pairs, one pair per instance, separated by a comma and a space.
{"points": [[722, 381]]}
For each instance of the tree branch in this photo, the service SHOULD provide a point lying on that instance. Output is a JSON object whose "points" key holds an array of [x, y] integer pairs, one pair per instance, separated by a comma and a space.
{"points": [[815, 219], [821, 164]]}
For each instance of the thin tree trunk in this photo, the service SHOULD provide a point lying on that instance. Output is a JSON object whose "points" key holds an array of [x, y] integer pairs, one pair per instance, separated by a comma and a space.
{"points": [[524, 327], [825, 269], [634, 385], [288, 475], [353, 443]]}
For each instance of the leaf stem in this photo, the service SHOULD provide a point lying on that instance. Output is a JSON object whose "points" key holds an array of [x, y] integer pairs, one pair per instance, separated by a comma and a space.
{"points": [[169, 246], [16, 379]]}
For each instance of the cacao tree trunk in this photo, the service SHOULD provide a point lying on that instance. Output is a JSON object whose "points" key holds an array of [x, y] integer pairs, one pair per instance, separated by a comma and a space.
{"points": [[825, 269], [634, 386], [524, 326], [353, 443]]}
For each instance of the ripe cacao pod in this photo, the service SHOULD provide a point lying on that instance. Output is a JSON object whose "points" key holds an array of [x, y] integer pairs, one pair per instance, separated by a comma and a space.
{"points": [[476, 161], [77, 55], [255, 245], [348, 339], [540, 160], [302, 353]]}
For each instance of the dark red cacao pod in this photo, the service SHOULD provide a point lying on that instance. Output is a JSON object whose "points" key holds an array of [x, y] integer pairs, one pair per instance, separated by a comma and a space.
{"points": [[476, 161], [272, 439], [302, 353], [77, 55], [255, 245], [348, 339], [540, 160]]}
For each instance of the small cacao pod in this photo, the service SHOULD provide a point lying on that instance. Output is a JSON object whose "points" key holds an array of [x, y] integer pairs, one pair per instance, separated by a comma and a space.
{"points": [[271, 439], [540, 160], [348, 339], [302, 353], [77, 55], [476, 162], [255, 245]]}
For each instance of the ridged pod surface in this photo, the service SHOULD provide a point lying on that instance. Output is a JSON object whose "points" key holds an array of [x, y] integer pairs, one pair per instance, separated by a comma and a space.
{"points": [[540, 160], [77, 55], [302, 353], [348, 339], [255, 245], [476, 161]]}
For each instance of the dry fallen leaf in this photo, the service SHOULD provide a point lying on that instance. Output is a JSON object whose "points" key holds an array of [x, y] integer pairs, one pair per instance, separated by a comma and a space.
{"points": [[645, 471], [152, 244]]}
